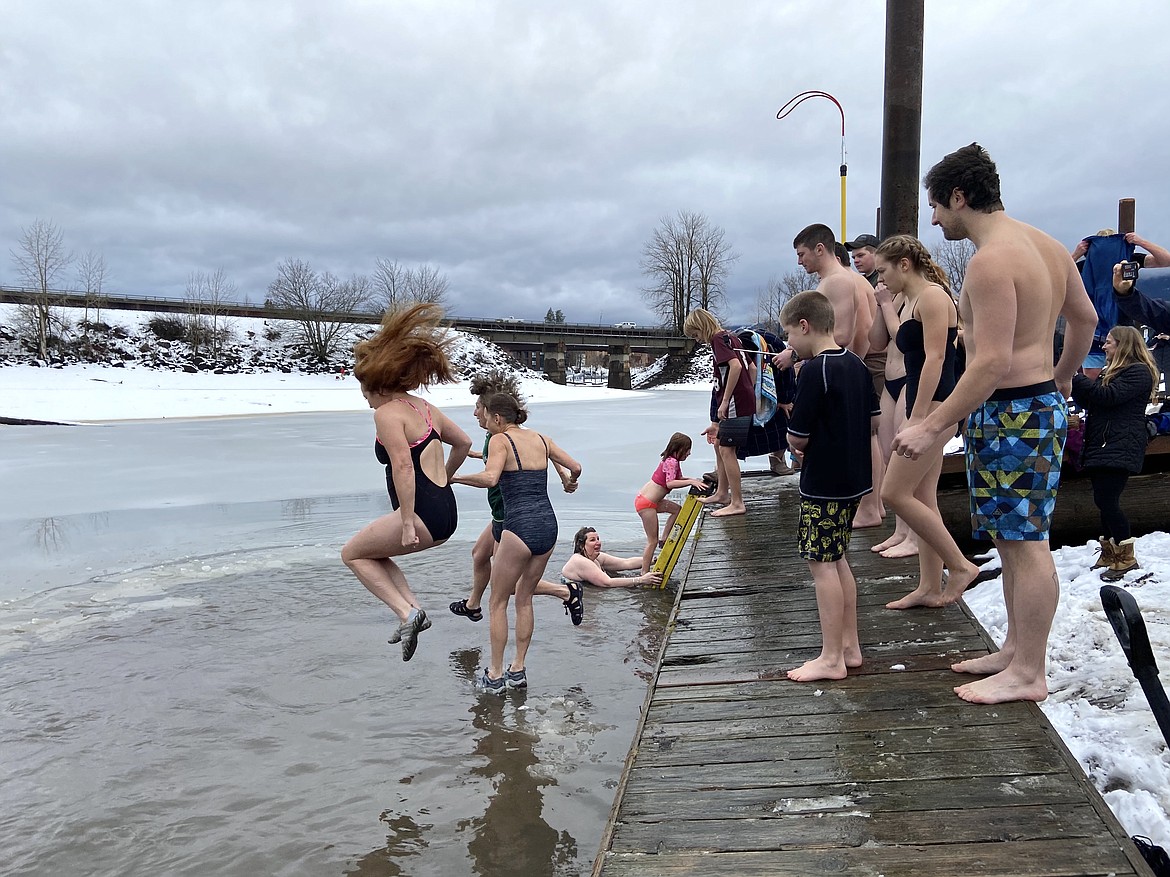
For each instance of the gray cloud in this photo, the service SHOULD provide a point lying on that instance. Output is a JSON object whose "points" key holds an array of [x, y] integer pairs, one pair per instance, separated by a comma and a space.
{"points": [[528, 150]]}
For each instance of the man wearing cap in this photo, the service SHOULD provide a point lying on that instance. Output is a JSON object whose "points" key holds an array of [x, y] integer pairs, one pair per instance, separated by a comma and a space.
{"points": [[863, 250]]}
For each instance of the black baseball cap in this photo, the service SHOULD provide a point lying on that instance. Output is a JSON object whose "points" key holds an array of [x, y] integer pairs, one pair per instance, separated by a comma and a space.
{"points": [[863, 240]]}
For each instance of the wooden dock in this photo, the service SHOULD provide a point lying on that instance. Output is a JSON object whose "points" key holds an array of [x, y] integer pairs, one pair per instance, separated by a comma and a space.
{"points": [[735, 770]]}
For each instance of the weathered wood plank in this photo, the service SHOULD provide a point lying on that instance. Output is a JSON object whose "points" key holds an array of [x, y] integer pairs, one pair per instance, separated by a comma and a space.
{"points": [[647, 804], [738, 770], [1075, 823], [1041, 858]]}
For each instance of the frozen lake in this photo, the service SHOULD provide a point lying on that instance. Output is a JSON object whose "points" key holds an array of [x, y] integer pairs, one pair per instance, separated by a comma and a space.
{"points": [[192, 683]]}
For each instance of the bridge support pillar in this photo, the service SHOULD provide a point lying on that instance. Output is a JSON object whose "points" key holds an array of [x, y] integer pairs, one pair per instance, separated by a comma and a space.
{"points": [[619, 367], [554, 361]]}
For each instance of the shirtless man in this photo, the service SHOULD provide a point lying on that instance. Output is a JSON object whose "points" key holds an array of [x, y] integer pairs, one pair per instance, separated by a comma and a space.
{"points": [[1017, 284], [854, 309]]}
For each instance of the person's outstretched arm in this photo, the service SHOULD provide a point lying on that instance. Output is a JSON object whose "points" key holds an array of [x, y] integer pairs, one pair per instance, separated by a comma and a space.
{"points": [[1158, 257], [1140, 308]]}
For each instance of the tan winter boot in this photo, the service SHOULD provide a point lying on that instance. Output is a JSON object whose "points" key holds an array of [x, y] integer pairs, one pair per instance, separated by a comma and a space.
{"points": [[1123, 561], [1108, 552]]}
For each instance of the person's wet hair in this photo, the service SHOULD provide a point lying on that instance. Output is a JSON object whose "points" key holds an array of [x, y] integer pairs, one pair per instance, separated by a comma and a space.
{"points": [[406, 353], [507, 407], [679, 443], [579, 539], [972, 172], [494, 381]]}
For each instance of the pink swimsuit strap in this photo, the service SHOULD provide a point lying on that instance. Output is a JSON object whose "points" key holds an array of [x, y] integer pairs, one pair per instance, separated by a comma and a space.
{"points": [[427, 417]]}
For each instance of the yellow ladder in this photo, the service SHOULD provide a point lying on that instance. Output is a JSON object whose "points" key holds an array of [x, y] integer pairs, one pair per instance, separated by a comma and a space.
{"points": [[673, 548]]}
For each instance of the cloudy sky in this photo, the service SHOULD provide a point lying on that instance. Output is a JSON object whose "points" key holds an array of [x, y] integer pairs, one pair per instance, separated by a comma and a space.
{"points": [[529, 149]]}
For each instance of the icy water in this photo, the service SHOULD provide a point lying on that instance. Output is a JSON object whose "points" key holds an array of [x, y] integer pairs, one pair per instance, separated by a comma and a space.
{"points": [[192, 683]]}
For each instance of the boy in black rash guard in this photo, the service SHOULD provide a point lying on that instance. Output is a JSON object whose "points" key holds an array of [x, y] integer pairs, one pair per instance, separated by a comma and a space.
{"points": [[830, 426]]}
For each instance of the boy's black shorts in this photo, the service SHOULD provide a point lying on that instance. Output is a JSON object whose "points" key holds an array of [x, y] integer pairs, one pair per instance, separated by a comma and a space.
{"points": [[824, 528]]}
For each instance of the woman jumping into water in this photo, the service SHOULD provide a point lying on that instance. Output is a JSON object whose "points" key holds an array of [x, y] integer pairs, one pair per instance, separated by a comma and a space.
{"points": [[407, 353], [517, 461]]}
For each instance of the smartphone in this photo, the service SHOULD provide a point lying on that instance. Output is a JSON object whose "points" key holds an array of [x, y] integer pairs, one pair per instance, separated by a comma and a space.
{"points": [[1129, 270]]}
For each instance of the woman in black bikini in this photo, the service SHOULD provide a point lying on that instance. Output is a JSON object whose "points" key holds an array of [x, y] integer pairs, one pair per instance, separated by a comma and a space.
{"points": [[518, 462], [406, 354], [926, 338], [902, 542]]}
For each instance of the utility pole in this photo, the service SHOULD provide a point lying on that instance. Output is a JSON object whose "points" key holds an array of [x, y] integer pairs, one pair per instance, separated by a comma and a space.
{"points": [[902, 119]]}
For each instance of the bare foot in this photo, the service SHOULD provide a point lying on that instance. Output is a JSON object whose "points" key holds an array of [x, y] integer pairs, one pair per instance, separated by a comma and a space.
{"points": [[860, 523], [818, 668], [958, 580], [853, 656], [729, 511], [893, 539], [908, 548], [715, 499], [918, 597], [1003, 688], [996, 662]]}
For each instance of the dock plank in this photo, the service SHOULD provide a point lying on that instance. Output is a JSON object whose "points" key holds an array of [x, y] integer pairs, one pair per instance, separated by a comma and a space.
{"points": [[737, 770]]}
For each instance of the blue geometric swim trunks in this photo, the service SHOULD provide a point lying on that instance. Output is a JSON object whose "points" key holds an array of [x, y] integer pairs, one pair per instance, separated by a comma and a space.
{"points": [[1015, 441]]}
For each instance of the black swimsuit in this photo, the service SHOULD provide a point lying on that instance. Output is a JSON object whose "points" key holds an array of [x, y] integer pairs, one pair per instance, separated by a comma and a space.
{"points": [[527, 511], [912, 343], [434, 505]]}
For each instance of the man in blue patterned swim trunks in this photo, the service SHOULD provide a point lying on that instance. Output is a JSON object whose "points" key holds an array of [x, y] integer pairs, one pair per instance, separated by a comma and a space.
{"points": [[1017, 284]]}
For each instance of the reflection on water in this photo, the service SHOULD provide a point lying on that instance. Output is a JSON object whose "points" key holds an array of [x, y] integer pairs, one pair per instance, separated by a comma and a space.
{"points": [[298, 510], [405, 840], [50, 536], [184, 734]]}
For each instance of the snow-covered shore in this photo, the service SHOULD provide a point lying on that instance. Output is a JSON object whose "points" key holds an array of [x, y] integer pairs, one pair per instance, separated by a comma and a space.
{"points": [[143, 377]]}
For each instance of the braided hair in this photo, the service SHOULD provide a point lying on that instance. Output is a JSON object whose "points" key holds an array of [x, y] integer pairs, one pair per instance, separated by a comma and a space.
{"points": [[905, 246]]}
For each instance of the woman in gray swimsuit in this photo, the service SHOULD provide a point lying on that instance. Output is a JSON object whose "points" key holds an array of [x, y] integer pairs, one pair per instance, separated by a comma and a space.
{"points": [[518, 462], [407, 353]]}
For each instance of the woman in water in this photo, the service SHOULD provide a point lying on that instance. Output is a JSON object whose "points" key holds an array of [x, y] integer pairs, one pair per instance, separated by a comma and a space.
{"points": [[407, 353], [651, 500], [926, 339], [590, 564], [518, 462]]}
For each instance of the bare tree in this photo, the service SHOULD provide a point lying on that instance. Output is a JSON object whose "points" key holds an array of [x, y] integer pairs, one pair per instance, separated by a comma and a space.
{"points": [[390, 284], [687, 260], [41, 259], [208, 297], [428, 284], [92, 275], [771, 298], [952, 257], [320, 305], [394, 285]]}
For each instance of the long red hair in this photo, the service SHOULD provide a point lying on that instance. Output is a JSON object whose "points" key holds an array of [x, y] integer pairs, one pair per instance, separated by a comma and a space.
{"points": [[408, 352]]}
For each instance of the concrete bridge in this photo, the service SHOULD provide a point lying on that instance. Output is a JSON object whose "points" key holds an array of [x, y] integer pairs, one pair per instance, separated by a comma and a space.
{"points": [[538, 345], [545, 345]]}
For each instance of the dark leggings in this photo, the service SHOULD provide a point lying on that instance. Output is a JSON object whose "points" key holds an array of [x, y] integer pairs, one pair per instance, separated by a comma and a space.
{"points": [[1108, 483]]}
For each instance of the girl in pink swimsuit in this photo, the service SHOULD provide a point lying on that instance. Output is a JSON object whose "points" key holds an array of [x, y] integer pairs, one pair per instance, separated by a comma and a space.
{"points": [[651, 500]]}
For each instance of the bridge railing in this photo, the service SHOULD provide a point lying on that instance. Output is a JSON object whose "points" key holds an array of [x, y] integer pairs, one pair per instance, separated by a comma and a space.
{"points": [[76, 298]]}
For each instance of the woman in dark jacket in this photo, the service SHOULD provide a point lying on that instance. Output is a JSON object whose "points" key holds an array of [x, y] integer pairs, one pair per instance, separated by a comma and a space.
{"points": [[1116, 438]]}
